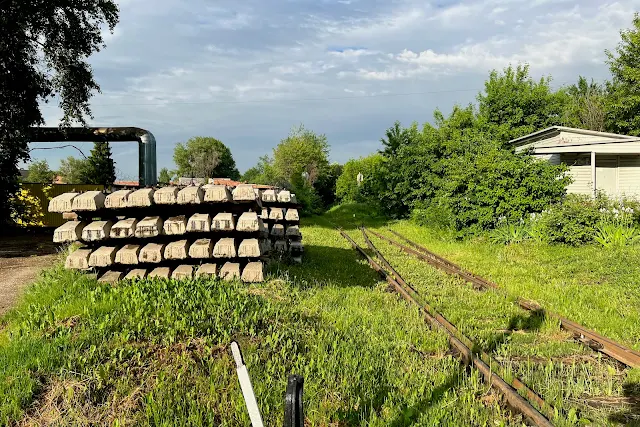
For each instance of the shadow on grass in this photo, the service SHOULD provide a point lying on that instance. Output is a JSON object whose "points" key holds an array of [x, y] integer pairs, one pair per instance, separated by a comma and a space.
{"points": [[325, 265], [630, 416], [530, 322]]}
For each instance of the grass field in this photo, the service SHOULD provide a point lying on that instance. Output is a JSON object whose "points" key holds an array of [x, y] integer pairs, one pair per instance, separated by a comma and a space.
{"points": [[76, 352]]}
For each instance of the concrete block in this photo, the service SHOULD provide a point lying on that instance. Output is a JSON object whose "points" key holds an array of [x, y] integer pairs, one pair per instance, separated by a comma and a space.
{"points": [[68, 232], [292, 215], [104, 256], [141, 198], [78, 259], [250, 248], [280, 246], [253, 272], [296, 248], [123, 228], [265, 213], [166, 196], [277, 214], [129, 255], [150, 226], [201, 248], [62, 203], [160, 273], [111, 277], [277, 230], [97, 230], [249, 222], [293, 232], [217, 194], [293, 199], [193, 194], [230, 271], [177, 250], [207, 270], [89, 201], [284, 196], [199, 222], [175, 225], [136, 273], [225, 248], [270, 196], [223, 222], [117, 199], [244, 192], [152, 253], [182, 272]]}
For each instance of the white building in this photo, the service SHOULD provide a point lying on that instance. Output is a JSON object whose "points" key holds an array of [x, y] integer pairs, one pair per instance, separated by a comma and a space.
{"points": [[597, 160]]}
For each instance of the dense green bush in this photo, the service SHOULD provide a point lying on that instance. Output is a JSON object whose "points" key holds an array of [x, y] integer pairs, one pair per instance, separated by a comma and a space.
{"points": [[347, 187], [572, 222]]}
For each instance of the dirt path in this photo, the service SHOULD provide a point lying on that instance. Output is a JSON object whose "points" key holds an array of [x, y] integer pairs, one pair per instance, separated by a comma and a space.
{"points": [[21, 260]]}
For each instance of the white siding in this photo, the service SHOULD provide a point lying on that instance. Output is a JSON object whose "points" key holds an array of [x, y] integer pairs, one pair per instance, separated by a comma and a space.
{"points": [[554, 159], [629, 176], [580, 171]]}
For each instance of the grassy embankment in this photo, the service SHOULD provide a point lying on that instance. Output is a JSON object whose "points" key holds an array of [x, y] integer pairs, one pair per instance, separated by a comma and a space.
{"points": [[156, 353]]}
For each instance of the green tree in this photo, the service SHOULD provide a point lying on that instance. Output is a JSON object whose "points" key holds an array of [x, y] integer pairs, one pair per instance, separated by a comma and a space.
{"points": [[100, 166], [623, 100], [586, 109], [165, 176], [301, 156], [44, 51], [39, 172], [348, 189], [513, 104], [325, 186], [204, 157], [263, 173], [74, 170]]}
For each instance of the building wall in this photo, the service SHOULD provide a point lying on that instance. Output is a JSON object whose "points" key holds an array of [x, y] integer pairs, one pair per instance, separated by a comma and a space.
{"points": [[52, 219], [629, 176]]}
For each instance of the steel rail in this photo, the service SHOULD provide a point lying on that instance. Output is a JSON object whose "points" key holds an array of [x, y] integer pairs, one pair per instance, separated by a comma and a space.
{"points": [[516, 383], [513, 398], [594, 340]]}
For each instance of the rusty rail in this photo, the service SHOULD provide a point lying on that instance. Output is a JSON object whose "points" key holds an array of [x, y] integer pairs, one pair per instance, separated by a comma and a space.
{"points": [[513, 398], [589, 337]]}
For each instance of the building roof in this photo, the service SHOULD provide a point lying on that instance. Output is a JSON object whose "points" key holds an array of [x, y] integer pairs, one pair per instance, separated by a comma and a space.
{"points": [[541, 134]]}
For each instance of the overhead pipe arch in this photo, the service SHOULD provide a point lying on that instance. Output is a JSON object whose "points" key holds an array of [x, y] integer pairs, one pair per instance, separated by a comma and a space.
{"points": [[147, 162]]}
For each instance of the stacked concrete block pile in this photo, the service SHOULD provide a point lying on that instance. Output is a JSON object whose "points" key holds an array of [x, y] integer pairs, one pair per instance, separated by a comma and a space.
{"points": [[173, 232], [281, 214]]}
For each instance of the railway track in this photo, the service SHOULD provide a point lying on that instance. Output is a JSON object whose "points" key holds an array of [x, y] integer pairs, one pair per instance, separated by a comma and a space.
{"points": [[462, 344], [592, 339]]}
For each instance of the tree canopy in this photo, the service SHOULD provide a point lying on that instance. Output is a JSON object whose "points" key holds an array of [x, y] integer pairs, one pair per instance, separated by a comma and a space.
{"points": [[100, 167], [165, 176], [74, 170], [204, 157], [39, 172], [44, 51]]}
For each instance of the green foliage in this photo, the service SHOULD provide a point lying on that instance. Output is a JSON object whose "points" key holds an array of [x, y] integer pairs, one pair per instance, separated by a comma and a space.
{"points": [[204, 157], [27, 209], [347, 187], [623, 100], [74, 170], [100, 168], [44, 50], [616, 227], [586, 109], [571, 222], [39, 172], [165, 176], [514, 105], [509, 233], [326, 184]]}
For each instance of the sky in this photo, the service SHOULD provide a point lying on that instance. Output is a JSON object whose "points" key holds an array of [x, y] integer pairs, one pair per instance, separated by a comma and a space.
{"points": [[247, 72]]}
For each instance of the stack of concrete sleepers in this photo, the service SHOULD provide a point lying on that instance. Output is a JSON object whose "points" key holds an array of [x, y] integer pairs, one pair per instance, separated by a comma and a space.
{"points": [[281, 213], [172, 232]]}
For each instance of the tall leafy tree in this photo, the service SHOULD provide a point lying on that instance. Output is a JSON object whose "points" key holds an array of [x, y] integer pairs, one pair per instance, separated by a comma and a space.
{"points": [[44, 51], [301, 157], [74, 170], [623, 101], [586, 109], [513, 104], [39, 172], [100, 166], [165, 176], [204, 157]]}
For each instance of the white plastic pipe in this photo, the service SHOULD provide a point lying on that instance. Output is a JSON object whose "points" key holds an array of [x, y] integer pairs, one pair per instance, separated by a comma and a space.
{"points": [[247, 388]]}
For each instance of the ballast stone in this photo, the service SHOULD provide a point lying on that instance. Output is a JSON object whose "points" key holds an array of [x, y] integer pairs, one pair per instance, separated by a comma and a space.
{"points": [[253, 272], [230, 271], [141, 198], [123, 228], [117, 199], [175, 225], [223, 222], [68, 232], [89, 201], [150, 226], [166, 196], [62, 203], [78, 259], [191, 195], [96, 231], [128, 255], [103, 257], [177, 250]]}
